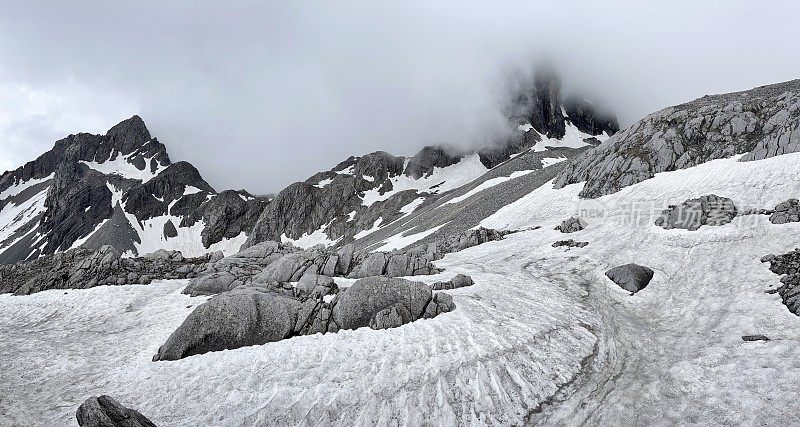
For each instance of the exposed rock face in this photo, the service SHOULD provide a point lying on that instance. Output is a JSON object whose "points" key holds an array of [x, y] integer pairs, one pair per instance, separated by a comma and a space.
{"points": [[631, 277], [227, 215], [460, 281], [569, 244], [89, 182], [422, 163], [257, 314], [82, 269], [571, 225], [169, 230], [272, 262], [588, 118], [788, 211], [788, 265], [104, 411], [759, 123], [693, 213]]}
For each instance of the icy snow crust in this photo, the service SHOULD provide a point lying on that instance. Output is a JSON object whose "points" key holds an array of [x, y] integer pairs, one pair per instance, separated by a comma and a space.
{"points": [[541, 337]]}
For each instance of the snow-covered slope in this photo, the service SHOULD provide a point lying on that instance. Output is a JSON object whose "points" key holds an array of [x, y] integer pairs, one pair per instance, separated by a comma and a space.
{"points": [[542, 336]]}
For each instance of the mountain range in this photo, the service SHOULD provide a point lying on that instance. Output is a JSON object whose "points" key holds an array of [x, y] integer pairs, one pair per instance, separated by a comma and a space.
{"points": [[569, 273]]}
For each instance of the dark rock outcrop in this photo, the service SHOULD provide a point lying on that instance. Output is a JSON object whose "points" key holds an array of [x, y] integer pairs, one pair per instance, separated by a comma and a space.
{"points": [[588, 118], [787, 265], [569, 244], [256, 314], [459, 281], [693, 213], [759, 123], [785, 212], [83, 268], [571, 225], [631, 277], [423, 163], [169, 230], [104, 411], [758, 337]]}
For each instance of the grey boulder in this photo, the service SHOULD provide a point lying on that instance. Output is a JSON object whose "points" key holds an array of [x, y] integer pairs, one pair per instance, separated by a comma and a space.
{"points": [[239, 318], [631, 277], [693, 213], [104, 411], [459, 281], [785, 212], [571, 225], [358, 304]]}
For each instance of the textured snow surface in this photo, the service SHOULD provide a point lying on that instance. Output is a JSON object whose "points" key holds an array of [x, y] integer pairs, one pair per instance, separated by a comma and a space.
{"points": [[542, 336], [402, 240], [439, 181], [489, 183]]}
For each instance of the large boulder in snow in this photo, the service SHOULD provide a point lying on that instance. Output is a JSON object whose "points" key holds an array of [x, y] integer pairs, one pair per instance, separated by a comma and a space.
{"points": [[104, 411], [693, 213], [366, 298], [239, 318], [785, 212], [631, 277]]}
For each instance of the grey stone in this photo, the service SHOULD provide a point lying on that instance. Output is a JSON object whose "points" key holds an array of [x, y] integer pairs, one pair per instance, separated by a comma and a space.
{"points": [[459, 281], [104, 411], [234, 319], [359, 303], [631, 277], [786, 212], [693, 213], [755, 338], [571, 225]]}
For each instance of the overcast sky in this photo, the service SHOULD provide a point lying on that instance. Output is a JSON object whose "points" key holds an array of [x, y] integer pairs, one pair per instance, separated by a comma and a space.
{"points": [[260, 94]]}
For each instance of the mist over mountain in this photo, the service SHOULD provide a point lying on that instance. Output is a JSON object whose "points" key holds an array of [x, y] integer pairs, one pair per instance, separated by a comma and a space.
{"points": [[304, 85]]}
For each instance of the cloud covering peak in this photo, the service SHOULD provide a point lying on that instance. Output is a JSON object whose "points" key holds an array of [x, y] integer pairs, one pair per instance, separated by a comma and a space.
{"points": [[260, 94]]}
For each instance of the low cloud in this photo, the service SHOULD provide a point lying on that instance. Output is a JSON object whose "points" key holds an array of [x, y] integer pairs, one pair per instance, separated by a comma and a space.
{"points": [[261, 94]]}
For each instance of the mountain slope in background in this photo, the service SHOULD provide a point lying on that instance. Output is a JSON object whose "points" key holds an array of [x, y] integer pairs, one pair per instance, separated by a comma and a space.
{"points": [[121, 189], [118, 189]]}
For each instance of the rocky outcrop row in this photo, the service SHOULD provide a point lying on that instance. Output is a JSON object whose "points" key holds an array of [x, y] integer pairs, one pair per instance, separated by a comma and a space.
{"points": [[270, 262], [785, 212], [104, 411], [631, 277], [261, 313], [787, 265], [759, 123], [82, 269], [694, 213]]}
